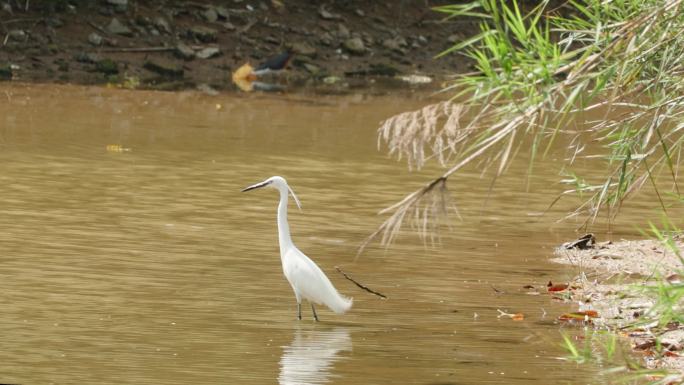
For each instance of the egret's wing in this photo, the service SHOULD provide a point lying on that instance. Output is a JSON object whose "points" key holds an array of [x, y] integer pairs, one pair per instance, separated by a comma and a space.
{"points": [[311, 282], [307, 277]]}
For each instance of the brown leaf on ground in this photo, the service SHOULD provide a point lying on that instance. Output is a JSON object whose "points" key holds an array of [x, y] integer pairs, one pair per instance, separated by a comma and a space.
{"points": [[557, 287], [578, 316], [674, 278]]}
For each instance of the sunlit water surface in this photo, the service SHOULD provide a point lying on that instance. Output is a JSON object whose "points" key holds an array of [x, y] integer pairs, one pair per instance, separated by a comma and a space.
{"points": [[149, 266]]}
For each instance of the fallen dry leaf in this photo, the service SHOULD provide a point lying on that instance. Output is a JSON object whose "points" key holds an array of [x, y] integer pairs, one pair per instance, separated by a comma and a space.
{"points": [[514, 317], [556, 287], [579, 316], [674, 278]]}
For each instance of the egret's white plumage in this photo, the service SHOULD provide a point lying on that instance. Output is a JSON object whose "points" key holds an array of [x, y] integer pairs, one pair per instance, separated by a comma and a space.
{"points": [[308, 281]]}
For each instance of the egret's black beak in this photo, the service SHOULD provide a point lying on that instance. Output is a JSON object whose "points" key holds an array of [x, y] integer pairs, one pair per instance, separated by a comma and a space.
{"points": [[256, 186]]}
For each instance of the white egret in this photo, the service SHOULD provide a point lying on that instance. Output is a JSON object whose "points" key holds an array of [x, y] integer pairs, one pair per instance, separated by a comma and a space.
{"points": [[308, 281]]}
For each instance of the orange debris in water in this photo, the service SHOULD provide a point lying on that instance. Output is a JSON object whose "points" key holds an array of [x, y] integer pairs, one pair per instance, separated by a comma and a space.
{"points": [[244, 76]]}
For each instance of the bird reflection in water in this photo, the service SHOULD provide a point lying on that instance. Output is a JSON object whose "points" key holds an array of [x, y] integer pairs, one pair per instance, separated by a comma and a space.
{"points": [[309, 359], [246, 77]]}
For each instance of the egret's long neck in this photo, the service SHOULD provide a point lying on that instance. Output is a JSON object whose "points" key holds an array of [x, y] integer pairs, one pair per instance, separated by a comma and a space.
{"points": [[283, 228]]}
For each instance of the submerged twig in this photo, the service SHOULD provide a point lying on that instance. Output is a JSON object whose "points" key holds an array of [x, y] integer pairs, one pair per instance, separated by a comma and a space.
{"points": [[362, 286]]}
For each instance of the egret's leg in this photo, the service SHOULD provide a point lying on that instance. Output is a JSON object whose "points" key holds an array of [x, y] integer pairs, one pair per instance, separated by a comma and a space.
{"points": [[299, 303], [313, 309]]}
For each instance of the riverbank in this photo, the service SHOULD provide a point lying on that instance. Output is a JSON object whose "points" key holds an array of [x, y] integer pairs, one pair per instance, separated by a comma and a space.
{"points": [[190, 44], [633, 288]]}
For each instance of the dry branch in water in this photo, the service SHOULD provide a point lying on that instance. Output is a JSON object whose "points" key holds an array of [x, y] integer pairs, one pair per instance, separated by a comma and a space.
{"points": [[362, 286], [425, 209]]}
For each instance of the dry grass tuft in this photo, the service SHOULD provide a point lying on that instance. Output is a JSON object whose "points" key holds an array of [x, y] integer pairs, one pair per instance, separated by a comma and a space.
{"points": [[433, 131]]}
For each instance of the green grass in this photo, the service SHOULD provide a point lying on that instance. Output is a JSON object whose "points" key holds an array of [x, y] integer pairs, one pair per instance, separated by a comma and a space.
{"points": [[536, 71]]}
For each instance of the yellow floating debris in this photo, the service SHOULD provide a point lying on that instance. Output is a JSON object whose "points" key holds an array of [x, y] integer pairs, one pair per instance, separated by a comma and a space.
{"points": [[243, 77], [117, 148]]}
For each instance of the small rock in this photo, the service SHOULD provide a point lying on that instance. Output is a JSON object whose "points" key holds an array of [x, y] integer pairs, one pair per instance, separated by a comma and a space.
{"points": [[54, 22], [143, 21], [229, 26], [395, 44], [119, 5], [203, 34], [311, 68], [184, 51], [95, 39], [208, 52], [140, 29], [117, 28], [162, 24], [304, 49], [107, 66], [325, 15], [305, 32], [210, 15], [422, 39], [326, 38], [586, 241], [222, 12], [278, 5], [331, 79], [207, 89], [40, 39], [453, 39], [164, 69], [381, 69], [360, 12], [106, 11], [355, 46], [62, 65], [272, 40], [343, 31], [673, 339], [86, 57], [18, 35], [416, 79]]}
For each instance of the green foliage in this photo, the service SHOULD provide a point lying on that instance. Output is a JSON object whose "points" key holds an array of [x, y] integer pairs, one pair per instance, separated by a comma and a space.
{"points": [[596, 346], [539, 69], [668, 294], [623, 57]]}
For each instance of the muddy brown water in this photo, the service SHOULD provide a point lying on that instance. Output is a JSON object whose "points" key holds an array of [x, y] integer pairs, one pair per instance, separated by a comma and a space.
{"points": [[149, 266]]}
